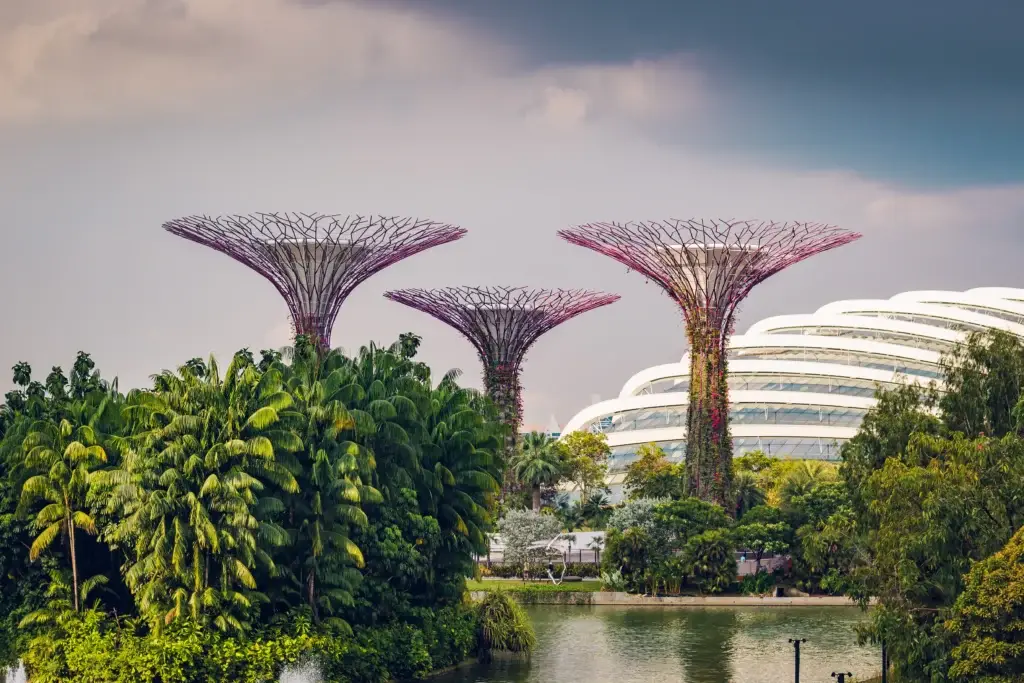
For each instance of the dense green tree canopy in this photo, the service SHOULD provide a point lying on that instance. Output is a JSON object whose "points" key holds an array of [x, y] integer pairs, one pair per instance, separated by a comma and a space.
{"points": [[305, 485]]}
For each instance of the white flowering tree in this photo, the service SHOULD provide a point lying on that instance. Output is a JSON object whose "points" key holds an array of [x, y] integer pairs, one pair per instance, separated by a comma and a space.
{"points": [[526, 534]]}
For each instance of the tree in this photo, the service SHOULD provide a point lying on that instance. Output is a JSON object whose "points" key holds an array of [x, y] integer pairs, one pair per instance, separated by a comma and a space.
{"points": [[189, 494], [988, 617], [761, 538], [984, 379], [747, 492], [711, 561], [651, 475], [632, 555], [636, 513], [690, 517], [830, 548], [755, 461], [66, 455], [932, 522], [331, 470], [802, 476], [524, 534], [586, 456], [538, 463], [885, 432]]}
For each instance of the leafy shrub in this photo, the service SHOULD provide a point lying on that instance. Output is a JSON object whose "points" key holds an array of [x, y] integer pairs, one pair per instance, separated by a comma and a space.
{"points": [[635, 513], [586, 570], [757, 584], [520, 530], [613, 581], [710, 559], [92, 648], [503, 625], [628, 553], [540, 595], [450, 636]]}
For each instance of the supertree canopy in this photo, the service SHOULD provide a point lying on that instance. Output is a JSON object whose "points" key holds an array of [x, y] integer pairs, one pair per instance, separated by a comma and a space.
{"points": [[708, 267], [502, 323], [314, 260]]}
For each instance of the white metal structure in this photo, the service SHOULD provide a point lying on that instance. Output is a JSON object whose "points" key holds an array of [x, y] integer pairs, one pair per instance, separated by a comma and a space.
{"points": [[799, 385]]}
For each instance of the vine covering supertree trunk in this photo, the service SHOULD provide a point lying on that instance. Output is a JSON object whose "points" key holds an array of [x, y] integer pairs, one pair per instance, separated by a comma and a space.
{"points": [[314, 260], [708, 267], [501, 384], [502, 323]]}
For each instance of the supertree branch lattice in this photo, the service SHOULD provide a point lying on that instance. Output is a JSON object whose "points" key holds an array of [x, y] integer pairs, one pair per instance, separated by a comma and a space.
{"points": [[314, 260], [502, 323], [708, 267]]}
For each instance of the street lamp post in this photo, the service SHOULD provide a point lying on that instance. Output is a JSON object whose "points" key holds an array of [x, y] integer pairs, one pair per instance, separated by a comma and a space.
{"points": [[841, 678], [796, 662], [885, 663]]}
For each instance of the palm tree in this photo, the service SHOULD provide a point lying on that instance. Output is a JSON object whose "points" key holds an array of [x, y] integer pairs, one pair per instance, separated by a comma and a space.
{"points": [[804, 476], [66, 456], [539, 463], [188, 491], [460, 469], [746, 492], [435, 443], [331, 473]]}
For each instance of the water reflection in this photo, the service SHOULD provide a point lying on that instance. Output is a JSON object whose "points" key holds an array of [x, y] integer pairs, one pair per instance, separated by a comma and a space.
{"points": [[692, 645]]}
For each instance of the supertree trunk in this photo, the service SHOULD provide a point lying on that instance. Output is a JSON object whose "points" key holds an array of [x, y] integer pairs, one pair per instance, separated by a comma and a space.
{"points": [[709, 442], [501, 382]]}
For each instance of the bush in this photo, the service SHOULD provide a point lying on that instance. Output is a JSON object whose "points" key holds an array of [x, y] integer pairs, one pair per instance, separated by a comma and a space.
{"points": [[503, 625], [539, 572], [628, 553], [450, 636], [710, 559], [94, 649], [757, 584], [538, 595]]}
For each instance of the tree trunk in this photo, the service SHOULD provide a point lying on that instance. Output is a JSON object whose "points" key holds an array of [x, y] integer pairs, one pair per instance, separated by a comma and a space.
{"points": [[536, 498], [74, 561], [708, 440], [311, 593], [501, 383]]}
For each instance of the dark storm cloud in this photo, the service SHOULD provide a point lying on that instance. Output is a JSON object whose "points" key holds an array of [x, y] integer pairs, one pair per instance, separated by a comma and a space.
{"points": [[924, 93], [940, 45]]}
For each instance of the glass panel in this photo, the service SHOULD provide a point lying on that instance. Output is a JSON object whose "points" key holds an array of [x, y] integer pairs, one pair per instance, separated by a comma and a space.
{"points": [[675, 416], [838, 357], [990, 312], [936, 321], [780, 447], [900, 338]]}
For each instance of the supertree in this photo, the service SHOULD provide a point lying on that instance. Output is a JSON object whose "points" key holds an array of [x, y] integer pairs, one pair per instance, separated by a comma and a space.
{"points": [[502, 323], [708, 267], [314, 260]]}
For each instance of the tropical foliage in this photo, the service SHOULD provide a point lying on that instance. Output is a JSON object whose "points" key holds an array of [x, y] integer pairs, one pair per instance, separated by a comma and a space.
{"points": [[262, 509], [933, 487]]}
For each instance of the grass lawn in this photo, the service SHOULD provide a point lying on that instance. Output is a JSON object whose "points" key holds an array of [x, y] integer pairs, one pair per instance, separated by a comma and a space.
{"points": [[568, 587]]}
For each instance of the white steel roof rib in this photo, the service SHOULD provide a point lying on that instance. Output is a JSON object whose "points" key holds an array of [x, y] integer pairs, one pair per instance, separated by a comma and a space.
{"points": [[794, 367]]}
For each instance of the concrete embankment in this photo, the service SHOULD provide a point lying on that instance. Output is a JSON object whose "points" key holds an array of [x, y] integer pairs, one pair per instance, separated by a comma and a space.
{"points": [[612, 598]]}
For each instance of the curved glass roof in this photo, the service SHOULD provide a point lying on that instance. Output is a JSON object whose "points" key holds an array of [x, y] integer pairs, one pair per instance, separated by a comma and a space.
{"points": [[825, 366]]}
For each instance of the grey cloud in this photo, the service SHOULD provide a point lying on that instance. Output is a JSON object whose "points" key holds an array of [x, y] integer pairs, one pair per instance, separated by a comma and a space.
{"points": [[92, 270]]}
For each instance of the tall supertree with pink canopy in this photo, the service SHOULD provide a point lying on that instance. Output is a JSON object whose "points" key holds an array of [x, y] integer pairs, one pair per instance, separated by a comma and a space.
{"points": [[314, 260], [502, 323], [708, 267]]}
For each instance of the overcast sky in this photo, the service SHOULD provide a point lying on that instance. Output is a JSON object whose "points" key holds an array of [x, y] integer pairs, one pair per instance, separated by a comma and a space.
{"points": [[897, 118]]}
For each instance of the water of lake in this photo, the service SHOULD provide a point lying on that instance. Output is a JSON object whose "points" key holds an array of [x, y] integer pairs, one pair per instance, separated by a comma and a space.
{"points": [[688, 645]]}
